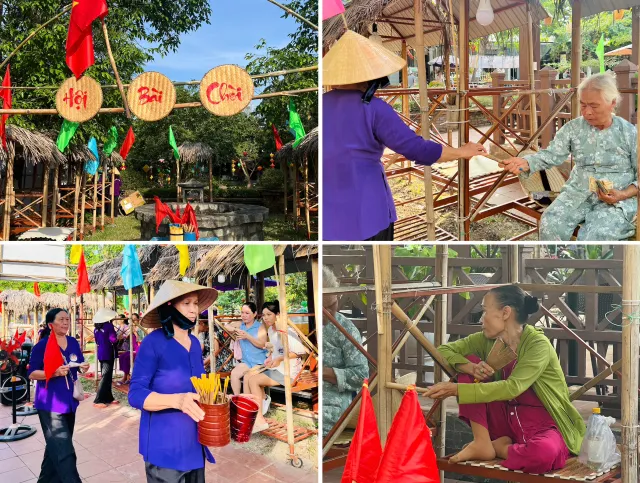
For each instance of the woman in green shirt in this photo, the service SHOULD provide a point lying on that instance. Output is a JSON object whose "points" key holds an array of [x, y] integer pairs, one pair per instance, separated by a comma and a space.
{"points": [[522, 413]]}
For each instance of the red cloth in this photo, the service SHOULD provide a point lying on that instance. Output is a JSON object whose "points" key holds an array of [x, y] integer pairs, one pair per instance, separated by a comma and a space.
{"points": [[79, 46], [188, 216], [52, 357], [128, 142], [83, 285], [6, 97], [365, 451], [36, 289], [408, 454], [276, 137]]}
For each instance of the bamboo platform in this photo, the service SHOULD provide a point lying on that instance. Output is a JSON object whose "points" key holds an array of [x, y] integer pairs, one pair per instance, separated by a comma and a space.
{"points": [[278, 430]]}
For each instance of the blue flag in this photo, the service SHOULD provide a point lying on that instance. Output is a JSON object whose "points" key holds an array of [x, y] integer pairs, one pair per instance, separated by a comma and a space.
{"points": [[131, 271], [91, 166]]}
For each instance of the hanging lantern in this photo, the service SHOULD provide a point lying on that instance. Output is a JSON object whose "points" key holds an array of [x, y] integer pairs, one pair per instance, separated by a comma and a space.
{"points": [[485, 14], [244, 154], [259, 168], [221, 278], [291, 164], [273, 165], [618, 14], [151, 177], [548, 21]]}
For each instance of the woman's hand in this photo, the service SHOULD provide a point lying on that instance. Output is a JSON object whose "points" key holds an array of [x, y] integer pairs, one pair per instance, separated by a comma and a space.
{"points": [[61, 371], [470, 150], [613, 196], [84, 367], [274, 362], [267, 362], [186, 402], [482, 371], [516, 165], [442, 390], [241, 334]]}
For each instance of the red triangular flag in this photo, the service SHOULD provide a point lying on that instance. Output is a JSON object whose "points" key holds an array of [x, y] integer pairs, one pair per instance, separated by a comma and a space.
{"points": [[22, 338], [128, 142], [6, 97], [52, 357], [408, 455], [36, 289], [276, 137], [365, 451], [15, 337], [83, 277], [79, 37]]}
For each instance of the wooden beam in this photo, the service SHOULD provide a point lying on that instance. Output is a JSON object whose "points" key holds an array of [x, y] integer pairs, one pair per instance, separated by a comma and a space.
{"points": [[45, 193], [576, 53]]}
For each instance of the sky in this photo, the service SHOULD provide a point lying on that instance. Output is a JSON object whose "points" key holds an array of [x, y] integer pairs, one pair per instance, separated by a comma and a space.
{"points": [[234, 28]]}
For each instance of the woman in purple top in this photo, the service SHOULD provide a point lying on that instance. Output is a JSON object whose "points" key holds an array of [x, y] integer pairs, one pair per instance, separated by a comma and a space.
{"points": [[106, 340], [54, 400], [161, 385], [356, 128]]}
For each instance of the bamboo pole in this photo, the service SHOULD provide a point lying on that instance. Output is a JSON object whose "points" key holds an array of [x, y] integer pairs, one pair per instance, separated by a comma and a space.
{"points": [[425, 121], [317, 302], [282, 327], [598, 378], [636, 12], [178, 189], [95, 201], [382, 271], [8, 199], [440, 337], [296, 15], [210, 181], [104, 184], [307, 212], [113, 194], [405, 80], [75, 204], [630, 353], [464, 197], [532, 79], [212, 352], [54, 201], [84, 201], [576, 53], [514, 263], [115, 69], [131, 329], [45, 193]]}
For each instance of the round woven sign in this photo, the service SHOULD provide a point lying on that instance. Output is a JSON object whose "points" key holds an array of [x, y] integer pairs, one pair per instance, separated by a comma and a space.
{"points": [[151, 96], [79, 100], [226, 90]]}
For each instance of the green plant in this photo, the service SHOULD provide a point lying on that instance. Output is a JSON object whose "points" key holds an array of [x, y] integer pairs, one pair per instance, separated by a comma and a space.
{"points": [[272, 179]]}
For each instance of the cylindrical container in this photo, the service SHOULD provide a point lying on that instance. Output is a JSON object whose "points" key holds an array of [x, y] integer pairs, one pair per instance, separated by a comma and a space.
{"points": [[190, 236], [243, 416], [214, 429], [176, 232]]}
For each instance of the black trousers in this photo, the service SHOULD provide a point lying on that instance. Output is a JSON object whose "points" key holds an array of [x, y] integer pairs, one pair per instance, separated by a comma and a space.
{"points": [[156, 474], [105, 394], [59, 463], [384, 235]]}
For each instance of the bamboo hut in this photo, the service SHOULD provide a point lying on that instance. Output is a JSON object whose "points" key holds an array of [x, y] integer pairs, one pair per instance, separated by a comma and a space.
{"points": [[50, 300], [195, 154], [17, 304], [301, 163]]}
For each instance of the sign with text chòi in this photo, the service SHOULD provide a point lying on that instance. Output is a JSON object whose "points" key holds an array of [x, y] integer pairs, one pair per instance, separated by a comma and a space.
{"points": [[226, 90], [151, 96], [79, 100]]}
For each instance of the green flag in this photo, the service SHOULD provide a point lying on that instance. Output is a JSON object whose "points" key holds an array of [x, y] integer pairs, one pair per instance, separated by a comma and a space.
{"points": [[112, 141], [295, 124], [259, 257], [600, 53], [172, 143], [66, 133]]}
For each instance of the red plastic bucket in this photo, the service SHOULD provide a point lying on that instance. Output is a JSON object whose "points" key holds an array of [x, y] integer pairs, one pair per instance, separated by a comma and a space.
{"points": [[243, 416], [214, 429]]}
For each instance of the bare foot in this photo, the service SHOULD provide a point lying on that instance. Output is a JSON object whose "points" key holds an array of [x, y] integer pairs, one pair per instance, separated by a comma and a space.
{"points": [[501, 446], [474, 451]]}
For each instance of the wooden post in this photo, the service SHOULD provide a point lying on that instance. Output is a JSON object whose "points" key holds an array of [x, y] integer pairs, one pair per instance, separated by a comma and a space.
{"points": [[405, 81], [210, 181], [547, 79], [95, 201], [630, 353], [497, 80], [626, 72], [8, 198], [260, 290], [45, 193], [84, 200], [54, 200], [576, 54], [638, 127], [464, 197], [281, 323], [179, 190], [81, 317], [533, 126], [131, 329], [76, 198], [285, 171], [635, 32], [440, 337], [212, 332], [73, 316], [425, 121], [317, 303], [382, 274], [104, 195], [514, 263], [296, 197], [307, 207], [113, 194]]}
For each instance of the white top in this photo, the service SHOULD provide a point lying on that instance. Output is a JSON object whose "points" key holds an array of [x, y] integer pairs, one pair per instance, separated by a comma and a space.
{"points": [[294, 346]]}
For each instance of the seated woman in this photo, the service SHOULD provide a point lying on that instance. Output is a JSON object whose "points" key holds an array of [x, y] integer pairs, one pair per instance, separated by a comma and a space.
{"points": [[274, 375], [521, 414], [252, 337], [604, 148]]}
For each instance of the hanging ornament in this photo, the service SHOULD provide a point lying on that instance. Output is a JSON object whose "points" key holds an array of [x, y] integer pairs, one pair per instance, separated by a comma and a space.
{"points": [[151, 177], [244, 154], [123, 167], [291, 164], [273, 165], [259, 168]]}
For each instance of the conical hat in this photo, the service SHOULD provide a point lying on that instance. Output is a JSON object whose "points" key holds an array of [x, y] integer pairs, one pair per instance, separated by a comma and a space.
{"points": [[104, 315], [355, 58], [170, 290]]}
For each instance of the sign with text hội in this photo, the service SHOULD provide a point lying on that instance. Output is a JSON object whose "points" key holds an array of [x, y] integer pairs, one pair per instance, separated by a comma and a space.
{"points": [[79, 100]]}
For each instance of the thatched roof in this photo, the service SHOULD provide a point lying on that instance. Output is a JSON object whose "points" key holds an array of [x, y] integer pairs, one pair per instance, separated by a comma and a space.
{"points": [[227, 259], [307, 147], [78, 154], [106, 275], [33, 147], [395, 18], [50, 300], [194, 153], [18, 301]]}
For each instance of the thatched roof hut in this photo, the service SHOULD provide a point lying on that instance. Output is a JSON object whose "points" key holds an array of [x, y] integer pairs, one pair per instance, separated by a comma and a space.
{"points": [[32, 146], [18, 301], [308, 148], [195, 153], [106, 275], [50, 300]]}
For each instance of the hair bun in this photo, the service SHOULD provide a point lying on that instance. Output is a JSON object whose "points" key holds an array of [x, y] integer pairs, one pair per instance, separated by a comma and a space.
{"points": [[531, 305]]}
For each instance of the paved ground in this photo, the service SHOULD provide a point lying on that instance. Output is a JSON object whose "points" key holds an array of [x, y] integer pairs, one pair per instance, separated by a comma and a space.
{"points": [[106, 443]]}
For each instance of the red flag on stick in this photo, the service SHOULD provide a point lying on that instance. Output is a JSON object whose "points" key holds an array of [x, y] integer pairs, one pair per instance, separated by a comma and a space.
{"points": [[36, 289], [276, 137], [52, 357], [6, 97], [408, 454], [365, 451], [80, 38], [128, 142], [83, 285]]}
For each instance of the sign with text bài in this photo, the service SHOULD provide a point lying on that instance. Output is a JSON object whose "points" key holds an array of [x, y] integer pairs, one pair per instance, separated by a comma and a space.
{"points": [[79, 100], [151, 96], [226, 90]]}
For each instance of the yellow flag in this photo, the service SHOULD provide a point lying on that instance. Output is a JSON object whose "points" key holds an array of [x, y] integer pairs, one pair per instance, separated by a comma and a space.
{"points": [[185, 261], [76, 252]]}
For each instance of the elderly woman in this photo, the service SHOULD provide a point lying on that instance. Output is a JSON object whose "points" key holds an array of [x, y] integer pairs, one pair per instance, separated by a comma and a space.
{"points": [[161, 385], [54, 399], [356, 129], [604, 150], [106, 341], [521, 414], [124, 349]]}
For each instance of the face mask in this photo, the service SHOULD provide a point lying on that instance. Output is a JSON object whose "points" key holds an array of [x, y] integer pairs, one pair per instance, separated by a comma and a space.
{"points": [[169, 315], [374, 85]]}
